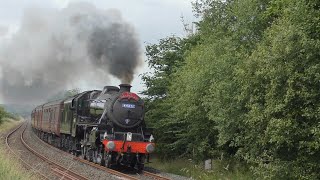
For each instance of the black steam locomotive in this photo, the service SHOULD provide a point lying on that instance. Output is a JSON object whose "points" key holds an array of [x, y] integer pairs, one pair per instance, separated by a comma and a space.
{"points": [[105, 127]]}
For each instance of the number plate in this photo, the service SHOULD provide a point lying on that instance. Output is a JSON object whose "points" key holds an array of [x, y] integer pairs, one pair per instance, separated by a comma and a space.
{"points": [[131, 106]]}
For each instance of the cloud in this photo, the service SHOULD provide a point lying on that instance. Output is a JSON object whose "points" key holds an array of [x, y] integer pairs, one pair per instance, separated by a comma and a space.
{"points": [[54, 48], [3, 30]]}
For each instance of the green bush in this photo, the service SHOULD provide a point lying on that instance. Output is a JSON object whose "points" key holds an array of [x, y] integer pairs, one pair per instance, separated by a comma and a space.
{"points": [[10, 168], [247, 87], [2, 114], [221, 169], [280, 89]]}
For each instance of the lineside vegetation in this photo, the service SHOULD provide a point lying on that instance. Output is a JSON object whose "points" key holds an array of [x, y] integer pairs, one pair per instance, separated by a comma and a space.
{"points": [[245, 84], [10, 168], [3, 114]]}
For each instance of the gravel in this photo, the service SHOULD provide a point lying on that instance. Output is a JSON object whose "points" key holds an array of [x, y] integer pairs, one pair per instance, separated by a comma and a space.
{"points": [[65, 159], [167, 175], [38, 165]]}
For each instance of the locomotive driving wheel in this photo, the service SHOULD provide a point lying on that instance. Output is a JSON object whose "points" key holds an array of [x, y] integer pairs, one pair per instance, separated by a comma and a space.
{"points": [[140, 167], [107, 160], [89, 154], [140, 162], [83, 152], [86, 153]]}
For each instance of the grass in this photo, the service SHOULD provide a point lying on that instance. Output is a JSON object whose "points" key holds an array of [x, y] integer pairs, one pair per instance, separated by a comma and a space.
{"points": [[8, 124], [11, 168], [224, 170]]}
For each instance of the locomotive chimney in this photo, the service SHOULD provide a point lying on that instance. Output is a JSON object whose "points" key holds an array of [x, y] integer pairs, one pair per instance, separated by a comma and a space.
{"points": [[125, 87]]}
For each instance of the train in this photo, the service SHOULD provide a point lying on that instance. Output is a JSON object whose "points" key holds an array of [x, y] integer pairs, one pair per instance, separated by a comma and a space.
{"points": [[105, 127]]}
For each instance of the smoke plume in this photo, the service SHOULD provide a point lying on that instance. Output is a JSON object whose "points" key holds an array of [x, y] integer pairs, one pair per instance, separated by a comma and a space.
{"points": [[54, 49], [3, 31]]}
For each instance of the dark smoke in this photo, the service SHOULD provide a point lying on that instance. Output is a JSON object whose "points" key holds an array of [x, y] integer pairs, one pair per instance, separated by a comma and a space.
{"points": [[107, 51], [58, 49]]}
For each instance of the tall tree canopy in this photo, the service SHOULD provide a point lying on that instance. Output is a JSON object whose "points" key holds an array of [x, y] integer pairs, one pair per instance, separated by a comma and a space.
{"points": [[246, 84]]}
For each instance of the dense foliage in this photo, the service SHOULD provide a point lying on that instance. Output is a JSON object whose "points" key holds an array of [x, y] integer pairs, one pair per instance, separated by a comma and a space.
{"points": [[2, 114], [5, 114], [246, 85]]}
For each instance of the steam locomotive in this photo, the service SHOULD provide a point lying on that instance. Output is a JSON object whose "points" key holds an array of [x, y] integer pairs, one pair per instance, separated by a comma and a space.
{"points": [[105, 127]]}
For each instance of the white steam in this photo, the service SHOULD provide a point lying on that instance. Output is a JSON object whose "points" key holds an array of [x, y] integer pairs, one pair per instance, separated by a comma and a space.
{"points": [[55, 48]]}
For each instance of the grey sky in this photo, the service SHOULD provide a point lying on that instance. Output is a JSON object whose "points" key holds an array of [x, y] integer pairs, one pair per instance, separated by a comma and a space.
{"points": [[153, 19]]}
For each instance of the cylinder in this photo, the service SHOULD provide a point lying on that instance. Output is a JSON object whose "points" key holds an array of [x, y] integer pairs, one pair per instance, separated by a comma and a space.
{"points": [[125, 88]]}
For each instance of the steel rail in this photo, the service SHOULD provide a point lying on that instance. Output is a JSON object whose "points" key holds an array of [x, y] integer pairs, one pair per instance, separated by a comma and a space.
{"points": [[114, 172], [108, 170], [156, 176], [63, 172], [28, 166]]}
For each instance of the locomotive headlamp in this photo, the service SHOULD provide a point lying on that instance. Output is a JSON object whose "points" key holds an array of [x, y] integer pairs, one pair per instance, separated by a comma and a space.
{"points": [[111, 145], [129, 136], [150, 148]]}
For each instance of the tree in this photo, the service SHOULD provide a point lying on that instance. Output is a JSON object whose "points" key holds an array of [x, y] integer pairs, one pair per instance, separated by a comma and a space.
{"points": [[248, 88], [5, 114], [2, 114], [164, 59], [280, 87], [64, 94], [204, 91]]}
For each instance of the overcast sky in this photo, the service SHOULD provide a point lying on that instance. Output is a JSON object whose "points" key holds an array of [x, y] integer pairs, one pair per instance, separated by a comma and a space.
{"points": [[153, 20]]}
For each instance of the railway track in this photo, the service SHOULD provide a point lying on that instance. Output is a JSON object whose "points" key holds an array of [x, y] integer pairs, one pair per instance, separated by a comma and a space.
{"points": [[108, 170], [27, 165], [111, 171], [156, 176], [60, 171]]}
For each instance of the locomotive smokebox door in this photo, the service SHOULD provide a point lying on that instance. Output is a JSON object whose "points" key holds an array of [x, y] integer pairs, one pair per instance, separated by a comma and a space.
{"points": [[127, 110]]}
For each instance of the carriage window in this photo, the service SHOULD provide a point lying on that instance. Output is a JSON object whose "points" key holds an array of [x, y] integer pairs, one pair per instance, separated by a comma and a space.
{"points": [[54, 113], [50, 114]]}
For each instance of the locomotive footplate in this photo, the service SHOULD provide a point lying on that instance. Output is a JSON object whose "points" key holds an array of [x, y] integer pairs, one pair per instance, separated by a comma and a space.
{"points": [[128, 146]]}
